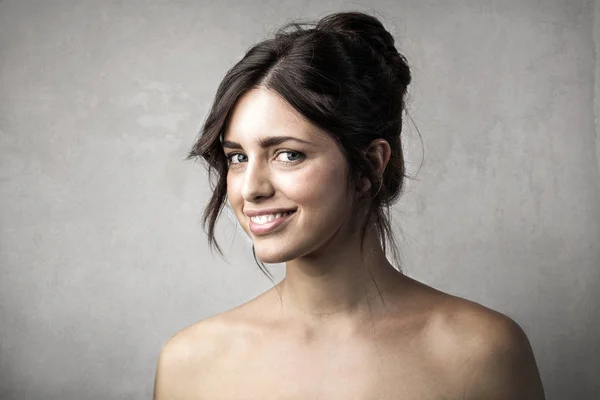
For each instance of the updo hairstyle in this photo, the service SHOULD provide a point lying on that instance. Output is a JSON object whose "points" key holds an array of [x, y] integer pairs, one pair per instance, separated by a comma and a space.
{"points": [[345, 75]]}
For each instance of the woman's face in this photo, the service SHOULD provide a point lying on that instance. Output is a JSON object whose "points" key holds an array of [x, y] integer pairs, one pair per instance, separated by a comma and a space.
{"points": [[287, 170]]}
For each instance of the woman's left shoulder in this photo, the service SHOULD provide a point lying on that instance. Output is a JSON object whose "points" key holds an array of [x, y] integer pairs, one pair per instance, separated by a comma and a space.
{"points": [[475, 326], [485, 348]]}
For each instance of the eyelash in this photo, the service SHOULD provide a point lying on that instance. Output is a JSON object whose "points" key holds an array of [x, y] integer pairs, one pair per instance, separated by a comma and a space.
{"points": [[302, 156]]}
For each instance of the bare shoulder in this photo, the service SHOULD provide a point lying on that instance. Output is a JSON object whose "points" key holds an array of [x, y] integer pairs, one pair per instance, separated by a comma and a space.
{"points": [[186, 357], [191, 358], [485, 350]]}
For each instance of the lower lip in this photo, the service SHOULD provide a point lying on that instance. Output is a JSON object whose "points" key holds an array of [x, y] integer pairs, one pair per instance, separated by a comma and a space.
{"points": [[262, 229]]}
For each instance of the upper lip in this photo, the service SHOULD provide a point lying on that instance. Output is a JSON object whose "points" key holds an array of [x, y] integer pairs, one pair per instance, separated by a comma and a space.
{"points": [[256, 213]]}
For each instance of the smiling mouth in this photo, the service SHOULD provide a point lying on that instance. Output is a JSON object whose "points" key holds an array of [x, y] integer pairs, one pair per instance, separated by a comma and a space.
{"points": [[263, 219], [264, 224]]}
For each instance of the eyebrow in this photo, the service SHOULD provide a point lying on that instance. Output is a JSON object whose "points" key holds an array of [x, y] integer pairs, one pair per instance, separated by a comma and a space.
{"points": [[264, 142]]}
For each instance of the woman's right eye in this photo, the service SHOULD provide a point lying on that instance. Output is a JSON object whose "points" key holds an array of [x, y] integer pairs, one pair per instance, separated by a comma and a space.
{"points": [[235, 158]]}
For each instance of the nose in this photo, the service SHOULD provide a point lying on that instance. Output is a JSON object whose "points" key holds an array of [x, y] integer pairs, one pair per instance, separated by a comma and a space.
{"points": [[257, 181]]}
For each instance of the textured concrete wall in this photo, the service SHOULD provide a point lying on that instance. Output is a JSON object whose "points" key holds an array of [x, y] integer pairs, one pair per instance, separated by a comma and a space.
{"points": [[102, 256], [597, 77]]}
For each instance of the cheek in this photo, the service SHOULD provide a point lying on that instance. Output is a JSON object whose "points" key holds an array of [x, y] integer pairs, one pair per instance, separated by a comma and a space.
{"points": [[233, 192], [318, 186], [235, 200]]}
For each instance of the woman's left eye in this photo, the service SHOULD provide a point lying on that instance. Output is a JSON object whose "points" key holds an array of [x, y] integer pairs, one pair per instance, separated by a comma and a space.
{"points": [[292, 156]]}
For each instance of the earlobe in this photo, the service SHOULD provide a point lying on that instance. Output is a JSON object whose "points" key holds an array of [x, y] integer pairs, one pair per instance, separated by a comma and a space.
{"points": [[364, 185]]}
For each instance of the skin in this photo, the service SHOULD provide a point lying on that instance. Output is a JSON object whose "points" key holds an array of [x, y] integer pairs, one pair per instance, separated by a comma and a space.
{"points": [[327, 330]]}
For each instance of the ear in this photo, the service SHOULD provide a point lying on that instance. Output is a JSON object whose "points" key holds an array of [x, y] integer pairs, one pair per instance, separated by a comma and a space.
{"points": [[379, 152]]}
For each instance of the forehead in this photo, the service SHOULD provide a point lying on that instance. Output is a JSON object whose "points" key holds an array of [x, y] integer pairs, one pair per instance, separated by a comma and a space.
{"points": [[262, 112]]}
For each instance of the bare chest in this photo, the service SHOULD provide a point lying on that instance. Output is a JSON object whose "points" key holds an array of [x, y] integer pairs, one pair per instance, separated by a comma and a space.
{"points": [[335, 370]]}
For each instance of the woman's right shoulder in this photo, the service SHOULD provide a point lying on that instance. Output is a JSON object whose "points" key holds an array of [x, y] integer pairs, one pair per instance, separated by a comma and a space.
{"points": [[187, 356], [202, 339]]}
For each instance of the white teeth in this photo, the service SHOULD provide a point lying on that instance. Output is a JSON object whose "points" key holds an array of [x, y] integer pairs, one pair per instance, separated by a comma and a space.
{"points": [[263, 219]]}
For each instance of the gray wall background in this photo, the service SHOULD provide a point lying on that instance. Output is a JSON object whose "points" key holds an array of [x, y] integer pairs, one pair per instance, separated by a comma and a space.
{"points": [[102, 254]]}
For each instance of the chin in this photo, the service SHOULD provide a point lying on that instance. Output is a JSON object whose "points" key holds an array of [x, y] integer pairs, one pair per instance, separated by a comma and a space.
{"points": [[274, 253], [271, 256]]}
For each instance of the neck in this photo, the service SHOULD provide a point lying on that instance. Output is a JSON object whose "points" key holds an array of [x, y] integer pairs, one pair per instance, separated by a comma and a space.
{"points": [[340, 282]]}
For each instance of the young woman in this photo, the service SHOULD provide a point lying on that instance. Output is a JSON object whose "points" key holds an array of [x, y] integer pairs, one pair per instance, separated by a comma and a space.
{"points": [[304, 139]]}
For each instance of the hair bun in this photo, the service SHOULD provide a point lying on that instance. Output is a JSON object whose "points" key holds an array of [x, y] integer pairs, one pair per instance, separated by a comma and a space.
{"points": [[372, 31]]}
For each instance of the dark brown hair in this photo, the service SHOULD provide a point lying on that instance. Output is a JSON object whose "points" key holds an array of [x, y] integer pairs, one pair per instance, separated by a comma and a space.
{"points": [[345, 75]]}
